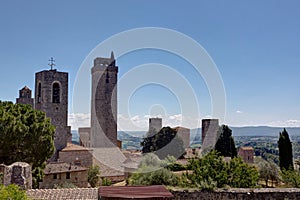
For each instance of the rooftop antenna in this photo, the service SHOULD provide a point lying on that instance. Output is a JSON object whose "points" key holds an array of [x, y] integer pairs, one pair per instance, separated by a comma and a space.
{"points": [[51, 64]]}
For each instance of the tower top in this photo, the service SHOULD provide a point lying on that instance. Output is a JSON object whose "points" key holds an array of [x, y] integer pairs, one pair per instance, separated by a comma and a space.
{"points": [[51, 64], [105, 62], [112, 56]]}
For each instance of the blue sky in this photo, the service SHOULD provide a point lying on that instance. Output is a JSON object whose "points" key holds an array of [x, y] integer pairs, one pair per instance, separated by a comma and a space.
{"points": [[254, 44]]}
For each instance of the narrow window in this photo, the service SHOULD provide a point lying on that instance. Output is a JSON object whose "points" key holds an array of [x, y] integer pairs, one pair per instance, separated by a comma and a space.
{"points": [[54, 176], [68, 175], [55, 93], [39, 92]]}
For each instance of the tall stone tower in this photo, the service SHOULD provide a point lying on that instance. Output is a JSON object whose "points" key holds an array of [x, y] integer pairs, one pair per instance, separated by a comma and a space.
{"points": [[25, 96], [155, 124], [210, 129], [104, 102], [51, 96]]}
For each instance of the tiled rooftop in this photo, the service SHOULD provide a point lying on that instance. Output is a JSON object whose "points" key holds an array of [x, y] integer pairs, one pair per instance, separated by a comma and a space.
{"points": [[246, 148], [60, 167], [74, 147], [64, 194]]}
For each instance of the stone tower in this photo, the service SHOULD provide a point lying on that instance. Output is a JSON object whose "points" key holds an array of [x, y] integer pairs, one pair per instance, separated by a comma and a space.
{"points": [[25, 96], [51, 96], [155, 124], [210, 129], [104, 102]]}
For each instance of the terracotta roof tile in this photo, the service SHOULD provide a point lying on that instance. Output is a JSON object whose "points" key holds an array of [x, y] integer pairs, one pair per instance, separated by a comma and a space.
{"points": [[60, 167], [74, 147], [54, 194]]}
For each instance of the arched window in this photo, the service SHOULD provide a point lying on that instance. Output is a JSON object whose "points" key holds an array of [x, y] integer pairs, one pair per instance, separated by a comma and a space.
{"points": [[55, 93], [39, 92]]}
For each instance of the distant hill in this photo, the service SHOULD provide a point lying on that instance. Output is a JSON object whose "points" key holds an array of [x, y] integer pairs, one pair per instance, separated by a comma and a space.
{"points": [[263, 131], [132, 139], [255, 131]]}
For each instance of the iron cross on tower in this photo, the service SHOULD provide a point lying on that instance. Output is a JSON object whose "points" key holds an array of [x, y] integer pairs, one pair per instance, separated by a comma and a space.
{"points": [[51, 64]]}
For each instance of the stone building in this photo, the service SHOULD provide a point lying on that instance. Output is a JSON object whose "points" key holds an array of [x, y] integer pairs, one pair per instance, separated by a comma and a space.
{"points": [[210, 129], [155, 124], [184, 134], [247, 154], [104, 103], [18, 173], [76, 155], [25, 96], [84, 136], [51, 97], [60, 173]]}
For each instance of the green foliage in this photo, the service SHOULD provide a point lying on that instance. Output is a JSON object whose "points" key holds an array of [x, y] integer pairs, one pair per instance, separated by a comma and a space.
{"points": [[165, 142], [12, 192], [106, 182], [211, 171], [26, 135], [151, 171], [291, 177], [241, 175], [225, 143], [162, 176], [268, 171], [37, 175], [176, 167], [93, 175], [64, 185], [152, 160], [285, 151]]}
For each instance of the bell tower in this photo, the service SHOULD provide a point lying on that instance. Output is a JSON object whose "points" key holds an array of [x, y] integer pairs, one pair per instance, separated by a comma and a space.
{"points": [[51, 97]]}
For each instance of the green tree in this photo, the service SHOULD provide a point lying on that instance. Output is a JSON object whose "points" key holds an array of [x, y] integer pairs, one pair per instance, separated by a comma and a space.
{"points": [[241, 175], [291, 177], [285, 151], [151, 171], [209, 170], [12, 192], [225, 143], [165, 142], [268, 171], [25, 135], [93, 175]]}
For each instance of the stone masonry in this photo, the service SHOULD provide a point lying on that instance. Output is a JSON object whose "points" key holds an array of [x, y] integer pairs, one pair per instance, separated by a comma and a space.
{"points": [[25, 96], [76, 155], [247, 154], [210, 129], [51, 97], [104, 103], [155, 124], [18, 173]]}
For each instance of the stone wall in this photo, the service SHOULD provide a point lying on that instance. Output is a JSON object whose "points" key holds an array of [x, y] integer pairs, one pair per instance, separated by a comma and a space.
{"points": [[209, 133], [18, 173], [79, 178], [55, 109], [240, 194], [184, 134], [80, 157], [104, 103]]}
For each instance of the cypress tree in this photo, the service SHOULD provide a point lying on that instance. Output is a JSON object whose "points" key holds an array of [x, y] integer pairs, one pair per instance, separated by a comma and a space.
{"points": [[225, 143], [285, 151]]}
